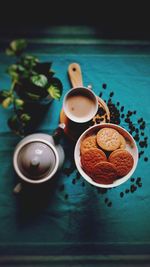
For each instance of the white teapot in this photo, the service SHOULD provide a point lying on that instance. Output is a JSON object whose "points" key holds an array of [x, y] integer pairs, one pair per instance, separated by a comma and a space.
{"points": [[38, 157]]}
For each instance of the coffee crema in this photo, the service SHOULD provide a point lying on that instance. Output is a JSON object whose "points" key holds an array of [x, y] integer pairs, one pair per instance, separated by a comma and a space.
{"points": [[80, 105]]}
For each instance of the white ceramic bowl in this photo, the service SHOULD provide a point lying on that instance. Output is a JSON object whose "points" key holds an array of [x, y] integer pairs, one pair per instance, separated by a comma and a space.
{"points": [[130, 146]]}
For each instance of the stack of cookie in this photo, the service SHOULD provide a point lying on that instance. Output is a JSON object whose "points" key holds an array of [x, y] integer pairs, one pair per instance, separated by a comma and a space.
{"points": [[104, 156]]}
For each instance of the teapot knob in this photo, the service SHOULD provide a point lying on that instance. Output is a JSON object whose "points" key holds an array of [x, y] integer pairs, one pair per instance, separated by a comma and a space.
{"points": [[35, 162]]}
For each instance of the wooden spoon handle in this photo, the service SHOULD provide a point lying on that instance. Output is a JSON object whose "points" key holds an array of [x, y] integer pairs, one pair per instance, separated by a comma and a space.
{"points": [[75, 75]]}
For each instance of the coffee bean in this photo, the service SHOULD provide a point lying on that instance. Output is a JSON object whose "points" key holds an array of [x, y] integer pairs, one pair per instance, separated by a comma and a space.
{"points": [[122, 109], [139, 184], [106, 200], [132, 180], [66, 196], [133, 188], [111, 94], [146, 159], [74, 181], [100, 95], [104, 85], [121, 194], [83, 184], [127, 191], [122, 116], [109, 204], [136, 137], [140, 120]]}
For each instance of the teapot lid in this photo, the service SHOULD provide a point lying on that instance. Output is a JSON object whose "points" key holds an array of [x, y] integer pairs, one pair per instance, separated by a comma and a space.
{"points": [[36, 160]]}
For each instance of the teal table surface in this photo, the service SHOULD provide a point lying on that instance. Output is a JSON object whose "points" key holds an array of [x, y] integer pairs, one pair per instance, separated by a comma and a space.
{"points": [[72, 217]]}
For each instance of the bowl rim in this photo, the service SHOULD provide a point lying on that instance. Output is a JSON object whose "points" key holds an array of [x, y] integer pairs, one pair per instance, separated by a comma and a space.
{"points": [[121, 180]]}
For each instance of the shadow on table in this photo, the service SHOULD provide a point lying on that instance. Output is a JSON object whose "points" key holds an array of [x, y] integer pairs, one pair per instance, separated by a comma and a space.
{"points": [[34, 199]]}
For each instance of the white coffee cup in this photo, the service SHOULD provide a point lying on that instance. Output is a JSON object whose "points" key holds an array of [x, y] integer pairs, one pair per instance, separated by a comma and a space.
{"points": [[80, 104]]}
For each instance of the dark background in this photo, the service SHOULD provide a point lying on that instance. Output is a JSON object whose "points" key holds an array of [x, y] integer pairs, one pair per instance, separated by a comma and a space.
{"points": [[116, 19]]}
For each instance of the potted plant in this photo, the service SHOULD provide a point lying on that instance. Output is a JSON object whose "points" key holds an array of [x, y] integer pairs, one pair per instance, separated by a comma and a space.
{"points": [[32, 81]]}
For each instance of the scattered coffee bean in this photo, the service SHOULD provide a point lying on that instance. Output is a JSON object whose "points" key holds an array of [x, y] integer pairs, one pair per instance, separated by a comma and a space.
{"points": [[74, 181], [106, 200], [121, 194], [122, 109], [140, 120], [104, 85], [118, 103], [142, 126], [145, 159], [138, 179], [83, 184], [133, 188], [100, 95], [136, 137], [127, 191], [139, 184], [132, 180], [66, 196], [122, 116], [111, 94], [109, 204]]}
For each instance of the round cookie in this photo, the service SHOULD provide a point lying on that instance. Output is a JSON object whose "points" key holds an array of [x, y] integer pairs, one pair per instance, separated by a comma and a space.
{"points": [[108, 139], [104, 173], [122, 142], [88, 143], [122, 160], [91, 157]]}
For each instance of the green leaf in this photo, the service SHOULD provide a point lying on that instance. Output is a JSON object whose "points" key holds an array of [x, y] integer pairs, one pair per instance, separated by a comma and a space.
{"points": [[13, 122], [39, 80], [4, 94], [12, 71], [54, 92], [25, 117], [29, 61], [9, 52], [7, 102], [33, 96], [55, 88], [19, 102], [15, 125], [18, 45]]}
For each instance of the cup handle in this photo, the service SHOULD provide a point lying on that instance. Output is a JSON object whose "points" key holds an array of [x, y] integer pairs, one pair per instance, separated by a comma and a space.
{"points": [[75, 75]]}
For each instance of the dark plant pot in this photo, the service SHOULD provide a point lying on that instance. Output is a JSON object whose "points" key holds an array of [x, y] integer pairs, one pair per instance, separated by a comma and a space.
{"points": [[22, 91]]}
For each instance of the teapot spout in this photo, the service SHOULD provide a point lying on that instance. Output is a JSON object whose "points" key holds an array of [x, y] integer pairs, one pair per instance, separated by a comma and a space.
{"points": [[58, 132]]}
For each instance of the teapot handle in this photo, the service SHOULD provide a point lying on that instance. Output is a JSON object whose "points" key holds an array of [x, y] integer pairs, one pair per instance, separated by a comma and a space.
{"points": [[58, 132]]}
